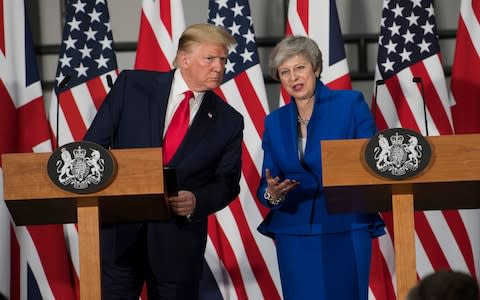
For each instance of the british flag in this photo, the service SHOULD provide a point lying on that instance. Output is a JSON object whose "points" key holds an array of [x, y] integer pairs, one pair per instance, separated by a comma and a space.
{"points": [[161, 24], [241, 262], [34, 262], [318, 19], [465, 87], [408, 51]]}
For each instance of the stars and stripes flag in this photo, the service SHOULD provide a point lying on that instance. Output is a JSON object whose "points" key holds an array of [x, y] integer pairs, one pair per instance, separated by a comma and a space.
{"points": [[86, 59], [465, 88], [34, 263], [161, 24], [318, 19], [409, 48], [241, 262], [86, 64]]}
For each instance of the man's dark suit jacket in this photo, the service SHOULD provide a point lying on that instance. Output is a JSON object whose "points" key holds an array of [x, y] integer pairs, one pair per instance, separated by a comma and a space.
{"points": [[208, 163]]}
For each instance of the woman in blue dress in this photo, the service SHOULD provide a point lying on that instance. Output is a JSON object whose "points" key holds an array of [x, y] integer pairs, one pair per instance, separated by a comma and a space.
{"points": [[320, 255]]}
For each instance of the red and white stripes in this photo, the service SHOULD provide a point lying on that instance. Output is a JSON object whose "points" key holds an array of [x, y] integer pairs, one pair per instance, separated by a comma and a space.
{"points": [[234, 244], [161, 24], [78, 106], [465, 86], [443, 239], [34, 259]]}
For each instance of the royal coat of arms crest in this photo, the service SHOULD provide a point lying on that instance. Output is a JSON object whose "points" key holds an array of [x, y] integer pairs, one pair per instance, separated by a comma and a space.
{"points": [[80, 167], [397, 153]]}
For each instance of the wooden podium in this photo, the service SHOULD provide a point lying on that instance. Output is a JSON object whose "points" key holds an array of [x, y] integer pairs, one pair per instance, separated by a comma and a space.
{"points": [[135, 194], [450, 181]]}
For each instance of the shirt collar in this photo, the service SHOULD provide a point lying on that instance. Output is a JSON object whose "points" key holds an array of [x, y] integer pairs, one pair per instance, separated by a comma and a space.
{"points": [[180, 86]]}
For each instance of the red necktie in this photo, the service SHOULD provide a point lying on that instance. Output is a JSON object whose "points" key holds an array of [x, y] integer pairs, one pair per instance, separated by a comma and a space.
{"points": [[177, 129]]}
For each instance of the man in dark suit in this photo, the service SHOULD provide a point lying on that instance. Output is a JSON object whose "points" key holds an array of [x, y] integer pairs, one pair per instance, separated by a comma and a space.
{"points": [[138, 112]]}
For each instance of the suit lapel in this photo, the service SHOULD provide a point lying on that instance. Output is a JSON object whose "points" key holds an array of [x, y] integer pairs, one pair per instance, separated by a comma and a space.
{"points": [[158, 107], [286, 135], [293, 128], [314, 128], [317, 126], [204, 119]]}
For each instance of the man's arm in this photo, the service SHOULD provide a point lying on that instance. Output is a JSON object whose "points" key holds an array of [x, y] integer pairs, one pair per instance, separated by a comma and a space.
{"points": [[224, 187]]}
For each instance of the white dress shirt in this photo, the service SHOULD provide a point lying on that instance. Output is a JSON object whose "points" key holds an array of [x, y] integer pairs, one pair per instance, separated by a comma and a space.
{"points": [[179, 87]]}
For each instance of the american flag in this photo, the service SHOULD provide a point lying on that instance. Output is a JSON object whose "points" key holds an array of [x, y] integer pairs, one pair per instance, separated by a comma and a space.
{"points": [[161, 24], [408, 48], [88, 59], [34, 262], [465, 88], [318, 19], [241, 263]]}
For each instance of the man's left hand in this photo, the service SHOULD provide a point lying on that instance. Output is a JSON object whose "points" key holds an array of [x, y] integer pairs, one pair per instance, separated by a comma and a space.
{"points": [[183, 204]]}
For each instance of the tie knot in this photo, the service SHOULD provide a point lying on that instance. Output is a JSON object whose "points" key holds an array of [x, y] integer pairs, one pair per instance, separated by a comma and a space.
{"points": [[188, 95]]}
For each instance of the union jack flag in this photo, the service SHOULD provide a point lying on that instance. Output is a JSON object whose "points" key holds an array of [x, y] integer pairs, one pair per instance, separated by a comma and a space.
{"points": [[318, 19], [465, 87], [241, 262], [161, 24], [34, 262], [409, 48]]}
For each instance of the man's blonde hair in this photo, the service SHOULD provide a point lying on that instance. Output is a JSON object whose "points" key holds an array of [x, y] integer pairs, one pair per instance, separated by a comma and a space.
{"points": [[203, 33]]}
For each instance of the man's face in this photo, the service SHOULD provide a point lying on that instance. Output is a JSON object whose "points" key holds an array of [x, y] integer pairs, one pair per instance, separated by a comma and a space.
{"points": [[203, 66]]}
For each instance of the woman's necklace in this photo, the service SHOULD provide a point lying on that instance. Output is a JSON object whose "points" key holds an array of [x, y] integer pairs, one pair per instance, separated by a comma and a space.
{"points": [[302, 121], [307, 106]]}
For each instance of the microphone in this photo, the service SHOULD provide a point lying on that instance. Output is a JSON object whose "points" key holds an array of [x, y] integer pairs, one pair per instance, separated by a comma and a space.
{"points": [[374, 102], [61, 85], [110, 84], [109, 81], [64, 82], [419, 80]]}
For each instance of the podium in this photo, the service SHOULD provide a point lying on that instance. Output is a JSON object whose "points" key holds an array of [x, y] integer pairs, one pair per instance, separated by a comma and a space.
{"points": [[450, 181], [135, 194]]}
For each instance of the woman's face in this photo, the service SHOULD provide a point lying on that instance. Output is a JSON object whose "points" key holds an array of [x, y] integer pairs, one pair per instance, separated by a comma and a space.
{"points": [[298, 77]]}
